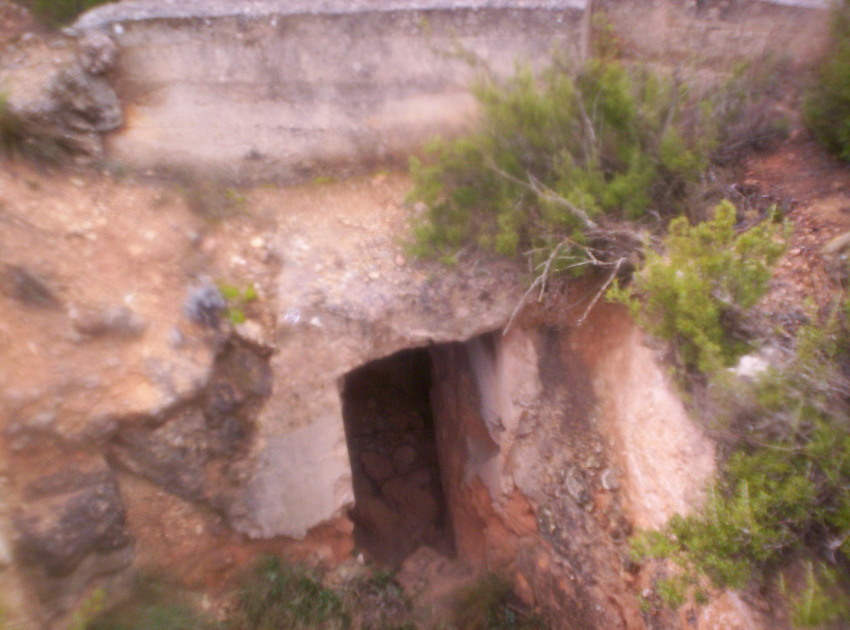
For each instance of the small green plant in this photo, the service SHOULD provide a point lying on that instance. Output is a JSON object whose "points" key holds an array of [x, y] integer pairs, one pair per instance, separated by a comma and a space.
{"points": [[155, 616], [19, 139], [89, 609], [210, 199], [154, 605], [237, 300], [827, 104], [821, 601], [60, 12], [378, 602], [11, 134], [489, 604], [275, 595], [697, 290]]}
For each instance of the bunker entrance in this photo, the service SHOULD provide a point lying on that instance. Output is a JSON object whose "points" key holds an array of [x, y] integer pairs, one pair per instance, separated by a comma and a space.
{"points": [[389, 426]]}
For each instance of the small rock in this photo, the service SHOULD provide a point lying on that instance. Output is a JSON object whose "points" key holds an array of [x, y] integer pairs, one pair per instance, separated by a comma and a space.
{"points": [[204, 304], [258, 242], [577, 489], [43, 421], [750, 366], [374, 275], [25, 286], [176, 337], [252, 332], [609, 480], [592, 462], [98, 52], [116, 321], [292, 315]]}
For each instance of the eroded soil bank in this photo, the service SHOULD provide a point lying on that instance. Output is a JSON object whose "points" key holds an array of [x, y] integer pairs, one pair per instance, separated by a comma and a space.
{"points": [[143, 431], [205, 443]]}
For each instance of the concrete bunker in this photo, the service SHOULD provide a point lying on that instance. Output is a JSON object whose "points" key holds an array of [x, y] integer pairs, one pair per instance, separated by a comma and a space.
{"points": [[422, 425], [390, 431]]}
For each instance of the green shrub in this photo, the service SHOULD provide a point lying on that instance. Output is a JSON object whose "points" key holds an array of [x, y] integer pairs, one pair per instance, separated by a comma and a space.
{"points": [[742, 109], [378, 602], [554, 156], [88, 610], [782, 492], [238, 300], [274, 596], [696, 291], [489, 604], [827, 106], [59, 12], [821, 601], [17, 140], [154, 605], [10, 129], [155, 617], [210, 199]]}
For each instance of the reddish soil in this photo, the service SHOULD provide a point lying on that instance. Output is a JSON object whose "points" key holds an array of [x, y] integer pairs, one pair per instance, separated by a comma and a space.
{"points": [[814, 190]]}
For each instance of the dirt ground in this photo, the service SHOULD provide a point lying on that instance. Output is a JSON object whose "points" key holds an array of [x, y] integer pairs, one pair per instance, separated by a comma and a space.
{"points": [[94, 239], [813, 191]]}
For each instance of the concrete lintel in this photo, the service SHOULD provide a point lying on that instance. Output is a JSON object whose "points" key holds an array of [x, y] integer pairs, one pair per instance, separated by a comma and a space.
{"points": [[140, 10]]}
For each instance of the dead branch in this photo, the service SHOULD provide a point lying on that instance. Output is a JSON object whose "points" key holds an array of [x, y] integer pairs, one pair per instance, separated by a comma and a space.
{"points": [[602, 289], [539, 189]]}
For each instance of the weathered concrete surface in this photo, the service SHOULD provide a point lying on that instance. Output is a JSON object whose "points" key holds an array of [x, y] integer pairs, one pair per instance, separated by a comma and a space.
{"points": [[138, 10], [280, 90], [271, 89], [302, 479], [717, 34]]}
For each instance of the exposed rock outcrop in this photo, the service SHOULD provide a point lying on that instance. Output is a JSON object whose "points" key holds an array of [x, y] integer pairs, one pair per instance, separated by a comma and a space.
{"points": [[70, 532], [56, 97], [194, 450]]}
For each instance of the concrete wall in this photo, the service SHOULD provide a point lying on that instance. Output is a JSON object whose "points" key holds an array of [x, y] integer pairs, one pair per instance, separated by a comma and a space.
{"points": [[295, 90], [715, 34], [288, 89]]}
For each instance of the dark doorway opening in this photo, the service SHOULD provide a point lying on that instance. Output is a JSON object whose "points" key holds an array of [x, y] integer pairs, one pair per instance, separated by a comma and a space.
{"points": [[389, 426]]}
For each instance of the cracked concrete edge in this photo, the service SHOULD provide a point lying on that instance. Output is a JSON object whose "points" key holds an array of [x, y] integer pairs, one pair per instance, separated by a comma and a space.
{"points": [[141, 10]]}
